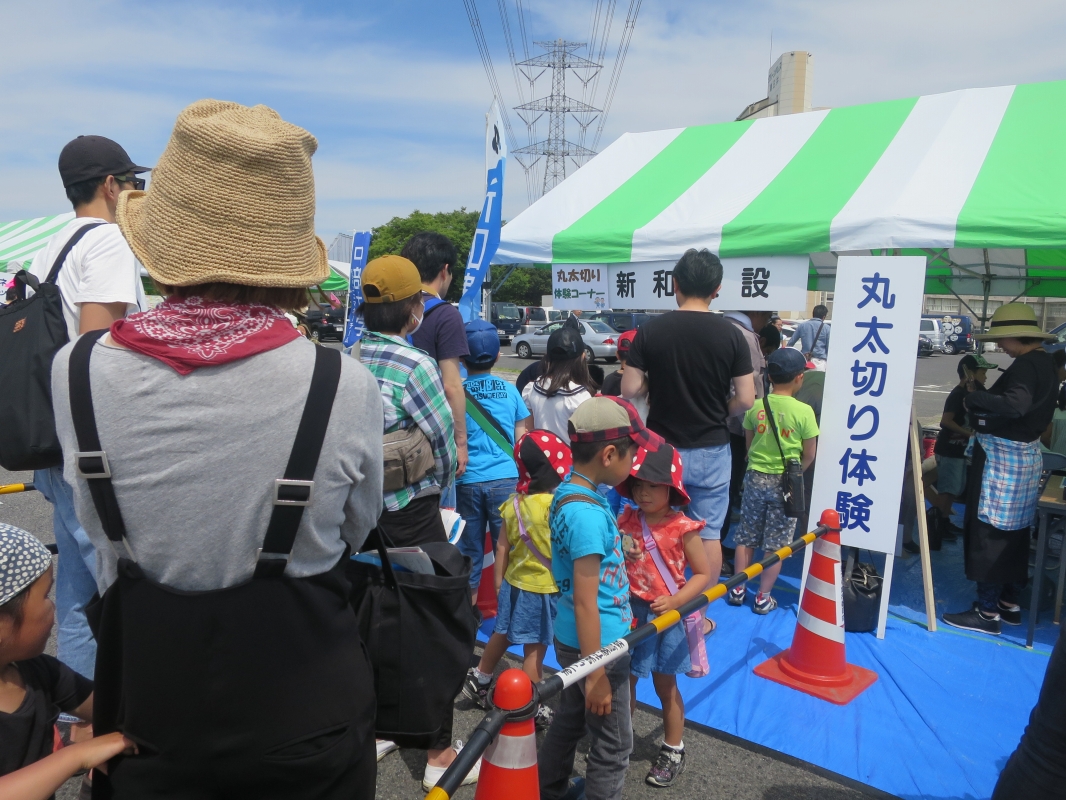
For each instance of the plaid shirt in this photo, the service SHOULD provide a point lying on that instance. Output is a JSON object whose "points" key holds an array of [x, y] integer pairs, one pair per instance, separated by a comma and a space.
{"points": [[412, 393], [1010, 486]]}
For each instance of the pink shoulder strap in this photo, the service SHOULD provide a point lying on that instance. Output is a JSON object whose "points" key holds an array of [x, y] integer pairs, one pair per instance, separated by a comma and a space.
{"points": [[527, 540]]}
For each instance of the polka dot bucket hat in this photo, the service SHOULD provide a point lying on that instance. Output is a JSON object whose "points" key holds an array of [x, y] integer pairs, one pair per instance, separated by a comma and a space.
{"points": [[662, 466], [543, 461], [23, 559]]}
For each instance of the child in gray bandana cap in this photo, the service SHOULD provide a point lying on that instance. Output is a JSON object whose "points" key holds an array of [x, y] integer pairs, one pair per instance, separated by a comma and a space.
{"points": [[35, 687]]}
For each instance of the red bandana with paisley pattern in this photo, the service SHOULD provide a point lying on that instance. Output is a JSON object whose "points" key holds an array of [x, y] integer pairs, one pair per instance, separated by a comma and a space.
{"points": [[192, 332]]}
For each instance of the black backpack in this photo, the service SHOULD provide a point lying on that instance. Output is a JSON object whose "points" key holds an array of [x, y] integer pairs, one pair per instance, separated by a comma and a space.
{"points": [[31, 333]]}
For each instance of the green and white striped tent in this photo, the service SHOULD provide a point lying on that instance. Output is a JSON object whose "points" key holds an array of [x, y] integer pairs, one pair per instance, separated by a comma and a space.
{"points": [[20, 240], [974, 179]]}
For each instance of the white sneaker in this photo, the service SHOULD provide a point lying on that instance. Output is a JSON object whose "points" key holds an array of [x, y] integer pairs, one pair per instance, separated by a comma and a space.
{"points": [[434, 774], [385, 747]]}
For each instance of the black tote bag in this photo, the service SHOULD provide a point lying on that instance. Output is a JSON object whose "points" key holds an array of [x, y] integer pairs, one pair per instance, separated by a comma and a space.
{"points": [[862, 594], [419, 632]]}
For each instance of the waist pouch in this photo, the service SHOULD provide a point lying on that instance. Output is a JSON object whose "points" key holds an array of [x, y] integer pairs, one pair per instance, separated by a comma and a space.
{"points": [[408, 458], [419, 630]]}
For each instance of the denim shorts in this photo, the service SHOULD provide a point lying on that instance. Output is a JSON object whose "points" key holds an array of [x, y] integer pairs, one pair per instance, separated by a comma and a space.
{"points": [[666, 653], [525, 617], [707, 472], [951, 475]]}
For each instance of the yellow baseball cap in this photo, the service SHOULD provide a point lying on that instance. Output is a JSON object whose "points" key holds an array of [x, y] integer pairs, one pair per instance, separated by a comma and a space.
{"points": [[389, 279]]}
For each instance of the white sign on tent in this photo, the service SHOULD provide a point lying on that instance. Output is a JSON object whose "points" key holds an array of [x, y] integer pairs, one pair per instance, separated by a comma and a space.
{"points": [[767, 283], [866, 405]]}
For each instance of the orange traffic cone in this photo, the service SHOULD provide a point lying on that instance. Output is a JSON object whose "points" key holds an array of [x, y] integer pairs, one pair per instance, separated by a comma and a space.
{"points": [[509, 766], [486, 590], [816, 663]]}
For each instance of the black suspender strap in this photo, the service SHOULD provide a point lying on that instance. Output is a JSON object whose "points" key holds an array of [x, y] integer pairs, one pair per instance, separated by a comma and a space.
{"points": [[296, 490], [58, 264], [90, 462]]}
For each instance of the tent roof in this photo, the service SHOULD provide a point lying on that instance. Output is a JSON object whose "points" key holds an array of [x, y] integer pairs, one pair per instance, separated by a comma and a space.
{"points": [[961, 171], [20, 240]]}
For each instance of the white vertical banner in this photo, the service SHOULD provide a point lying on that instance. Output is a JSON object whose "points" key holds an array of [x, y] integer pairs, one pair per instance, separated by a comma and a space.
{"points": [[866, 408]]}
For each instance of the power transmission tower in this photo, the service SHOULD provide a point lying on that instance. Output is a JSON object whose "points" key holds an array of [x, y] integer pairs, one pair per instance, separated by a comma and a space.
{"points": [[556, 148]]}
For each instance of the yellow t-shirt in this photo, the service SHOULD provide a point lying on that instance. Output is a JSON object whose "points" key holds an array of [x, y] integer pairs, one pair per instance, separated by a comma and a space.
{"points": [[524, 570]]}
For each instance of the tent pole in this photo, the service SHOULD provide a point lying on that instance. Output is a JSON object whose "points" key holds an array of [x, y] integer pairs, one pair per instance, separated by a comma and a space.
{"points": [[987, 281]]}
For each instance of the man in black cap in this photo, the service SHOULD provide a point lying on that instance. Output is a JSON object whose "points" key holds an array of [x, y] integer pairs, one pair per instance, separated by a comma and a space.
{"points": [[99, 282]]}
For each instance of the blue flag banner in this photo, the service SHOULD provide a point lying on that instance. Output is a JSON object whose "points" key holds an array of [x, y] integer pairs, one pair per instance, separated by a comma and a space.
{"points": [[353, 326], [487, 235]]}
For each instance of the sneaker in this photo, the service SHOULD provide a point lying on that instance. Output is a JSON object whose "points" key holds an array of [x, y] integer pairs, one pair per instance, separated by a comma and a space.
{"points": [[575, 790], [669, 765], [474, 690], [912, 547], [543, 718], [736, 596], [764, 606], [1010, 614], [974, 620], [385, 747], [434, 774]]}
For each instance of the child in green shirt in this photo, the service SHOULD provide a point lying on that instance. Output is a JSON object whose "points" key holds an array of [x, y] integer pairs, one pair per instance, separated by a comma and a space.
{"points": [[763, 523]]}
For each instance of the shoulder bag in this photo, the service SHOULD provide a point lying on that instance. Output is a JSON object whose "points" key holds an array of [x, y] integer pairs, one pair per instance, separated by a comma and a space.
{"points": [[419, 631], [408, 457], [862, 594], [31, 333], [493, 429], [792, 478]]}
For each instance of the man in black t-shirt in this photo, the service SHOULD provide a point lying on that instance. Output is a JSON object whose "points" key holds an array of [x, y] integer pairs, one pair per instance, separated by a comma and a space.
{"points": [[951, 443], [690, 357]]}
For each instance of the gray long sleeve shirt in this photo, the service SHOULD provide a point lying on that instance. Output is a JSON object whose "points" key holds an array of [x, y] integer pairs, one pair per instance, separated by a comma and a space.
{"points": [[194, 459]]}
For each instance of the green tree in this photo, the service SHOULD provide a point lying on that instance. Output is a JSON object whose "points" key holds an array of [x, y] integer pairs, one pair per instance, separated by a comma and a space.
{"points": [[525, 286]]}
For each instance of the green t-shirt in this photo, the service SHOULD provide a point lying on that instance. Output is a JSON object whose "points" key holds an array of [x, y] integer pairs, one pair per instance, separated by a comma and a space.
{"points": [[795, 422]]}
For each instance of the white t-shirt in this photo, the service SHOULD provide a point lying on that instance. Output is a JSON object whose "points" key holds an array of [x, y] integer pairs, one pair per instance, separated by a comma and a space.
{"points": [[100, 268], [552, 413]]}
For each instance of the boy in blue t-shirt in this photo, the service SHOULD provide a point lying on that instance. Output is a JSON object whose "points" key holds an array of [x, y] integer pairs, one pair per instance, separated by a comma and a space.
{"points": [[589, 568], [491, 472]]}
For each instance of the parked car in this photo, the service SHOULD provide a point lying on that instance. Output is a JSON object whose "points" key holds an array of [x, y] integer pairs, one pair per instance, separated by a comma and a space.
{"points": [[534, 317], [949, 333], [326, 323], [623, 321], [507, 319], [601, 340], [925, 346]]}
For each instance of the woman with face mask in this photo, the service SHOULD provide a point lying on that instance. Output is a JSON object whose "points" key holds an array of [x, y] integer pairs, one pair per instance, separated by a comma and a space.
{"points": [[417, 419]]}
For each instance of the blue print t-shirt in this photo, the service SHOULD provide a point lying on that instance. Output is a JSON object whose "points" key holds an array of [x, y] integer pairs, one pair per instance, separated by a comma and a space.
{"points": [[581, 529], [487, 461]]}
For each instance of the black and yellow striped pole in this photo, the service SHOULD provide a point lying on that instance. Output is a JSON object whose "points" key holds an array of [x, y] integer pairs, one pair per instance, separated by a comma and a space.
{"points": [[13, 488], [489, 727]]}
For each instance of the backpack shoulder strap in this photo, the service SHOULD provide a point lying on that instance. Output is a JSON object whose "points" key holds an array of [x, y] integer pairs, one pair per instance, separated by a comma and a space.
{"points": [[57, 265], [90, 462], [432, 303], [296, 490], [576, 498]]}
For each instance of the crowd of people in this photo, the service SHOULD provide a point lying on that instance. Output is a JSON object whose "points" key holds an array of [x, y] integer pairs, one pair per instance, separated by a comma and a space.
{"points": [[220, 471]]}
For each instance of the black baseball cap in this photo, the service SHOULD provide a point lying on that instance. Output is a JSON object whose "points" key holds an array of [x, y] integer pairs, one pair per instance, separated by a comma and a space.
{"points": [[564, 343], [89, 157]]}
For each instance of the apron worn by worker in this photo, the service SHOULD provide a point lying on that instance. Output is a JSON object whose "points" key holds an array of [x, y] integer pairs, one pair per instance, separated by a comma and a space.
{"points": [[992, 555], [261, 690]]}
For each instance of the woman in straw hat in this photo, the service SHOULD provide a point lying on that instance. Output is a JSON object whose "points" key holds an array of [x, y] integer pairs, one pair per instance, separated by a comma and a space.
{"points": [[1004, 481], [413, 396], [233, 465]]}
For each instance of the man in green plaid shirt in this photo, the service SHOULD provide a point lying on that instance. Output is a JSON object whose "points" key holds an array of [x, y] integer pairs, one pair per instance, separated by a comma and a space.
{"points": [[412, 394]]}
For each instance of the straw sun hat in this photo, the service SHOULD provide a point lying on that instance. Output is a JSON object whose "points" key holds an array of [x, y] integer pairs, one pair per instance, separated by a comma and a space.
{"points": [[232, 200], [1013, 320]]}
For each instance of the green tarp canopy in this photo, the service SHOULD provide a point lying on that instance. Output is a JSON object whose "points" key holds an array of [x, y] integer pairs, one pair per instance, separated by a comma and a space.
{"points": [[20, 240], [974, 179]]}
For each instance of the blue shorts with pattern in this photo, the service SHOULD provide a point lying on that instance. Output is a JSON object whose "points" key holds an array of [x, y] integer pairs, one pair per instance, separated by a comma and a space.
{"points": [[666, 653], [763, 524], [525, 617]]}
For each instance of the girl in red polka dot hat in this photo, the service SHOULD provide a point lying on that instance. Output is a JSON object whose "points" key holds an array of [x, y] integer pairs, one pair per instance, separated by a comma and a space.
{"points": [[526, 590], [659, 542]]}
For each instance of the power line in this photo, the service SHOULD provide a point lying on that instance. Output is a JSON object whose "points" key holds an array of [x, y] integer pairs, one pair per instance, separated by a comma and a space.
{"points": [[623, 50]]}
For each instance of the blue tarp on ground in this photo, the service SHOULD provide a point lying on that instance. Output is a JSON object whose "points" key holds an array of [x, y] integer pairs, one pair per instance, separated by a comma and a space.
{"points": [[947, 710]]}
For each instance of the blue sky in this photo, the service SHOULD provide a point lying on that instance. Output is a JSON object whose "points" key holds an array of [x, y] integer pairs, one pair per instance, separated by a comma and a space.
{"points": [[396, 94]]}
